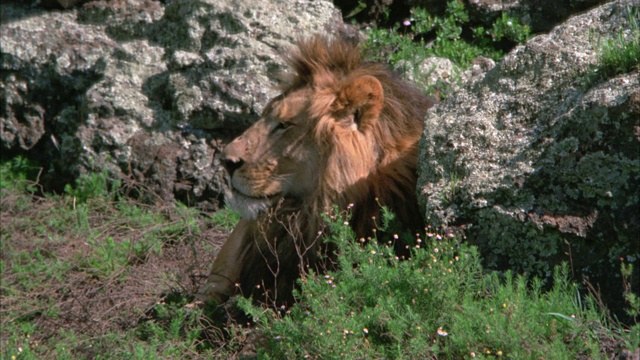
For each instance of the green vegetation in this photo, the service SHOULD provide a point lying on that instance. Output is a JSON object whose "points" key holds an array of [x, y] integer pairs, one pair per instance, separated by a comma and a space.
{"points": [[618, 54], [406, 45], [438, 304], [426, 35], [225, 218], [89, 274], [621, 53]]}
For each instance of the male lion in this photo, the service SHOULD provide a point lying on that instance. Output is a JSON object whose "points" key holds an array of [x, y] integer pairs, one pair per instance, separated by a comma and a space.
{"points": [[343, 133]]}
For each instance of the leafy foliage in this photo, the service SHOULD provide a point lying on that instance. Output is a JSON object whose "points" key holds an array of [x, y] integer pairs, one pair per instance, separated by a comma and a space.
{"points": [[437, 304], [426, 35]]}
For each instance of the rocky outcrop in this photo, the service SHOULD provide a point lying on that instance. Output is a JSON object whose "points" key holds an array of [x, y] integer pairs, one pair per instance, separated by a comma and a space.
{"points": [[538, 160], [145, 89]]}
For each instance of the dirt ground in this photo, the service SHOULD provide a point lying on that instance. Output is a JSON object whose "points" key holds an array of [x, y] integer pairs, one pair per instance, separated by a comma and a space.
{"points": [[76, 298]]}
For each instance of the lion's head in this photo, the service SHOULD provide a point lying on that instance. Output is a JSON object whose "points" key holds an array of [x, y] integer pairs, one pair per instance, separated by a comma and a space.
{"points": [[339, 124]]}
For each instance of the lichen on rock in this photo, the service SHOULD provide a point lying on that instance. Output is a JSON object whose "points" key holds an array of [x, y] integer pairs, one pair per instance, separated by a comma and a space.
{"points": [[148, 90]]}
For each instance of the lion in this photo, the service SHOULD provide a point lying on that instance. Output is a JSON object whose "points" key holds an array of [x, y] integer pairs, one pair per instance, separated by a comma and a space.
{"points": [[343, 132]]}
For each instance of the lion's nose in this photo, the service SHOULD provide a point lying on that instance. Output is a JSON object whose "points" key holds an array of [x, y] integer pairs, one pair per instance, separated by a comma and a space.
{"points": [[231, 164]]}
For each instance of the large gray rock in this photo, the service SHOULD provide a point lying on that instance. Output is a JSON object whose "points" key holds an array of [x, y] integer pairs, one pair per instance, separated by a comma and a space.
{"points": [[145, 89], [536, 163]]}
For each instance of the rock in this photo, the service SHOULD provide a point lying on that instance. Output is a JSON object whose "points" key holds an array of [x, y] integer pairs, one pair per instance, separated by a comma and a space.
{"points": [[441, 75], [145, 89], [539, 165]]}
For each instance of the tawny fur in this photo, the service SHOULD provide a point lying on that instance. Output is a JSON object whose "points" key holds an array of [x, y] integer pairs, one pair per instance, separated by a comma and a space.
{"points": [[360, 124]]}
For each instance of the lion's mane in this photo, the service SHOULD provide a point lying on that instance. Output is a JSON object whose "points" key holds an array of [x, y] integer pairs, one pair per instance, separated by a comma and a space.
{"points": [[327, 64]]}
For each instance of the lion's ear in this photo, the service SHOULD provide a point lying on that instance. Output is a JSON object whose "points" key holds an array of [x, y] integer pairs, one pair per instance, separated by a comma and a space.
{"points": [[362, 100]]}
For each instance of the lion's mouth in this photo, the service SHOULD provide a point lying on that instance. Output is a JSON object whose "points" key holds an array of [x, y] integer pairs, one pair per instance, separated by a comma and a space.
{"points": [[250, 206], [273, 196]]}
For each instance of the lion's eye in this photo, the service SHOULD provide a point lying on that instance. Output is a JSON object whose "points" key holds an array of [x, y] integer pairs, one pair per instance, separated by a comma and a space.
{"points": [[282, 126]]}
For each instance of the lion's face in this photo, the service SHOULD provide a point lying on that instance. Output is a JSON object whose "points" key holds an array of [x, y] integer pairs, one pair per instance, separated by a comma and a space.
{"points": [[274, 158], [312, 141]]}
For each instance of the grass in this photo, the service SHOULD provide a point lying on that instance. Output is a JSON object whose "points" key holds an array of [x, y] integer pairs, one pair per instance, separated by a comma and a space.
{"points": [[621, 53], [90, 274], [618, 54], [406, 45]]}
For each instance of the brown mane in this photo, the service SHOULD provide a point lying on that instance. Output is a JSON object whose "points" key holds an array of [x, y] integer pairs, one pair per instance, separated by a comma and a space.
{"points": [[328, 63], [361, 170]]}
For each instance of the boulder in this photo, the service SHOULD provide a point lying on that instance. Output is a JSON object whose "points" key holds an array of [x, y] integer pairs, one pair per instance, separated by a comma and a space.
{"points": [[441, 76], [537, 161], [145, 89]]}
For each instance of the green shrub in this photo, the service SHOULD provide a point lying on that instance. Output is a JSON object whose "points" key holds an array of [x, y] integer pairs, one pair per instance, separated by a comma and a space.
{"points": [[17, 175], [437, 304], [406, 41], [93, 186]]}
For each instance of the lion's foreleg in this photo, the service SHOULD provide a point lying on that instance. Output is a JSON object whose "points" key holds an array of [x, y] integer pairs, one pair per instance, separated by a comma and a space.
{"points": [[226, 269]]}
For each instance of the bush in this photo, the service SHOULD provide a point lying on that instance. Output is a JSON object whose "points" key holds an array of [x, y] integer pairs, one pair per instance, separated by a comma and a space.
{"points": [[437, 304], [426, 35]]}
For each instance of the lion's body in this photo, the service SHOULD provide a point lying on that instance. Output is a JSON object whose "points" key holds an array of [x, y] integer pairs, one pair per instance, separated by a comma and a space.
{"points": [[343, 133]]}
